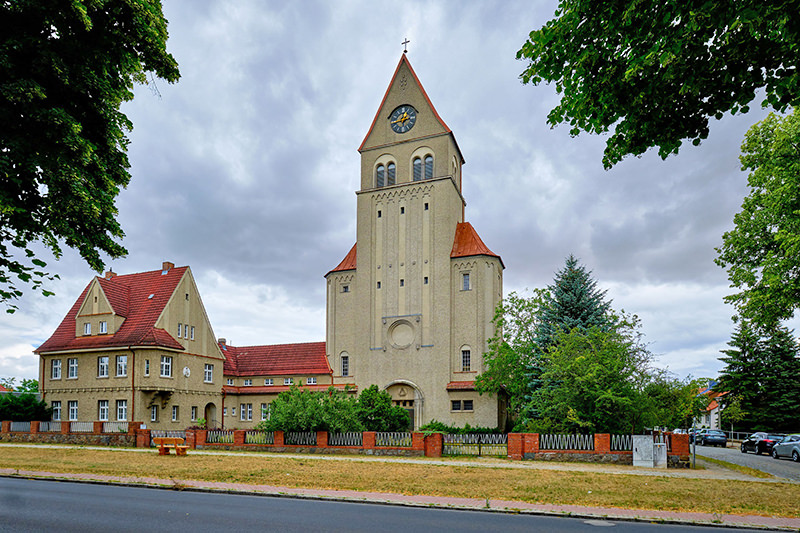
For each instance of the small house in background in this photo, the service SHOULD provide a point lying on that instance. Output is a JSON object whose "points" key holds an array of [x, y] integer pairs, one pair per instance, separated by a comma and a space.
{"points": [[711, 417]]}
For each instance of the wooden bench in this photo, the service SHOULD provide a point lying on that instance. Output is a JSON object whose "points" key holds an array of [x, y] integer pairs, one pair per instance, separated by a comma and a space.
{"points": [[165, 444]]}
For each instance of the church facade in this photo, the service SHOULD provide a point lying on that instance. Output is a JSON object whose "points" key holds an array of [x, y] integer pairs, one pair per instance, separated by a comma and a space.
{"points": [[409, 308]]}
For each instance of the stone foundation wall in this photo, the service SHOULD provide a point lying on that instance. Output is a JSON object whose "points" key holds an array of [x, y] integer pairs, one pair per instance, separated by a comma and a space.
{"points": [[607, 458], [85, 439]]}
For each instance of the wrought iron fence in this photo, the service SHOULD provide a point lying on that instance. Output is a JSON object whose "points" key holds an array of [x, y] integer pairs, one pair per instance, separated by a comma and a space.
{"points": [[300, 438], [663, 438], [219, 436], [549, 441], [258, 437], [21, 426], [345, 439], [81, 427], [394, 439], [115, 427], [49, 427], [621, 443], [166, 433], [475, 444]]}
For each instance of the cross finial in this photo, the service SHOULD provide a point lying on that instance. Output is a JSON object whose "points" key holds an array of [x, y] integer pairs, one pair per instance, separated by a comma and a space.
{"points": [[405, 45]]}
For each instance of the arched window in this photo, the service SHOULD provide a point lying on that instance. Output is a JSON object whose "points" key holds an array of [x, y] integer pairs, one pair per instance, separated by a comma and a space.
{"points": [[428, 167], [379, 176], [390, 174], [417, 169]]}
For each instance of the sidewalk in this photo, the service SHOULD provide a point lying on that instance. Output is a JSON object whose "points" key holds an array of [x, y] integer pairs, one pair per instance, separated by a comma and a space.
{"points": [[713, 472]]}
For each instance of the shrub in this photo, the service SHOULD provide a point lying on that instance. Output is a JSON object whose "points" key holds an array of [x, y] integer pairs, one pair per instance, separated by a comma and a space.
{"points": [[23, 408]]}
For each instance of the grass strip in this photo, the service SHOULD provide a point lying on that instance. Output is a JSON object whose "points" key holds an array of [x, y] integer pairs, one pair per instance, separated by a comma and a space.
{"points": [[528, 485], [738, 468]]}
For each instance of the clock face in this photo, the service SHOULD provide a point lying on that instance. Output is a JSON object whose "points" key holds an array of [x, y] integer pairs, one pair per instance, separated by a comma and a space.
{"points": [[403, 118]]}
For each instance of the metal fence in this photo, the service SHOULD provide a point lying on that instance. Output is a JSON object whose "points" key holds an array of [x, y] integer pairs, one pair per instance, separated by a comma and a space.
{"points": [[663, 438], [475, 444], [345, 439], [393, 438], [300, 438], [115, 427], [21, 426], [549, 441], [49, 427], [81, 427], [621, 443], [166, 433], [219, 436], [258, 437]]}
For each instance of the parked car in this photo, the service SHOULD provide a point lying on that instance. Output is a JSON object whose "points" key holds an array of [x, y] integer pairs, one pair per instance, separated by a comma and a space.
{"points": [[789, 446], [712, 437], [760, 442], [692, 432]]}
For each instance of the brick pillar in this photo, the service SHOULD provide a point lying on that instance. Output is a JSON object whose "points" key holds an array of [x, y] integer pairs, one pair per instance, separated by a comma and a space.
{"points": [[368, 440], [34, 426], [98, 428], [433, 445], [142, 438], [602, 443], [278, 438], [6, 426], [190, 440], [418, 441], [200, 437], [516, 447], [322, 439], [238, 437], [133, 426], [680, 444], [65, 427], [530, 443]]}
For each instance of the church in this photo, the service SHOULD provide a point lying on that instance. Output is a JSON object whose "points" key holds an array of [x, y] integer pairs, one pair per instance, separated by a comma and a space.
{"points": [[409, 308]]}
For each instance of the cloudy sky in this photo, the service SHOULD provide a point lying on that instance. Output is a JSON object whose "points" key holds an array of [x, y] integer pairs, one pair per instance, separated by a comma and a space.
{"points": [[246, 170]]}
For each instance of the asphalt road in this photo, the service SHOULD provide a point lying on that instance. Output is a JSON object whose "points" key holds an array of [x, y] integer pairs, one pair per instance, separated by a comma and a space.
{"points": [[784, 468], [36, 505]]}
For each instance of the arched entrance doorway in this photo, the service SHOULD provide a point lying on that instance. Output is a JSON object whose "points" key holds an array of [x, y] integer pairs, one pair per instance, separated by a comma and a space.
{"points": [[210, 414], [407, 395]]}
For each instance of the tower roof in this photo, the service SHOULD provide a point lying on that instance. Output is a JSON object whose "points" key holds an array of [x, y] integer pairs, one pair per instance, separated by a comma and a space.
{"points": [[467, 243], [348, 263]]}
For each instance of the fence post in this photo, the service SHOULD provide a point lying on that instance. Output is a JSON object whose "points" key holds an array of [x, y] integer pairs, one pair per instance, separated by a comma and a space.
{"points": [[418, 441], [34, 426], [322, 439], [6, 426], [278, 438], [368, 440], [530, 444], [133, 426], [97, 427], [238, 437], [602, 443], [65, 428], [142, 438], [433, 445], [516, 449], [200, 437], [191, 438]]}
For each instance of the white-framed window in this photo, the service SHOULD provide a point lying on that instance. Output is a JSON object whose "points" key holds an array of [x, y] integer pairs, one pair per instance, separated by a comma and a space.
{"points": [[56, 406], [288, 381], [194, 412], [153, 413], [229, 381], [72, 367], [122, 365], [311, 381], [465, 281], [102, 410], [102, 366], [268, 381], [147, 367], [224, 411], [87, 328], [180, 330], [233, 411], [208, 373], [103, 326], [345, 365], [264, 411], [122, 410], [191, 336], [248, 383], [246, 411], [465, 360], [166, 366], [174, 413], [55, 369], [72, 408]]}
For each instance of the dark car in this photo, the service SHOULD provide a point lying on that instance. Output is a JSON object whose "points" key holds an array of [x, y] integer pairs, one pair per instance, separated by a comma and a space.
{"points": [[712, 437], [789, 446], [760, 442]]}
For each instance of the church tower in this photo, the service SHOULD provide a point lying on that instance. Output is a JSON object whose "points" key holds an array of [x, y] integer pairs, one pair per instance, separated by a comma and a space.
{"points": [[410, 307]]}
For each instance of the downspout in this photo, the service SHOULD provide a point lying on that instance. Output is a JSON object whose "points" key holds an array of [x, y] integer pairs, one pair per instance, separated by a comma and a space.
{"points": [[222, 413], [133, 381]]}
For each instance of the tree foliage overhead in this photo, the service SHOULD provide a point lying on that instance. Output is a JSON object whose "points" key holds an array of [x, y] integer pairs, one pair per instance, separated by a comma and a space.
{"points": [[654, 71], [762, 252], [66, 66]]}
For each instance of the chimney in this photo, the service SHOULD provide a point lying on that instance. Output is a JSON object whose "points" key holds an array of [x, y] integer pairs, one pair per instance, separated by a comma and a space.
{"points": [[166, 266], [222, 341], [110, 274]]}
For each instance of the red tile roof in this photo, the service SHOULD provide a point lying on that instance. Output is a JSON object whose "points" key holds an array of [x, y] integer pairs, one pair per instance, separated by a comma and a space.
{"points": [[227, 389], [348, 263], [461, 385], [276, 359], [3, 389], [129, 296], [467, 242]]}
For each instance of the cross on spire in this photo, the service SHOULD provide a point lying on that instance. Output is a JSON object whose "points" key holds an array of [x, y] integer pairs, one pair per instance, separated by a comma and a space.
{"points": [[405, 45]]}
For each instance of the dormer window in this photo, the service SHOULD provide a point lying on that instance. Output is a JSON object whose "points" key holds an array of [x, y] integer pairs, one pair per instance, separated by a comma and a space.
{"points": [[103, 326], [87, 328]]}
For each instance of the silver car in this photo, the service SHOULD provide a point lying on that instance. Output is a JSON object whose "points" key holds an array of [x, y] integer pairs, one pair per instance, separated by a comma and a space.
{"points": [[788, 447]]}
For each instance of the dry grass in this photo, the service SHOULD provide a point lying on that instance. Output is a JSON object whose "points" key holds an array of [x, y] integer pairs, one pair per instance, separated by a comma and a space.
{"points": [[536, 486], [738, 468]]}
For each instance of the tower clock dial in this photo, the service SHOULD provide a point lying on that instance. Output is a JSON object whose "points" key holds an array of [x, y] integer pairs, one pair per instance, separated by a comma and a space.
{"points": [[403, 118]]}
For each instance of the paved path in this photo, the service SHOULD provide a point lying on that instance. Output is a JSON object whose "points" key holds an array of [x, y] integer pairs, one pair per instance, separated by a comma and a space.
{"points": [[713, 472]]}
